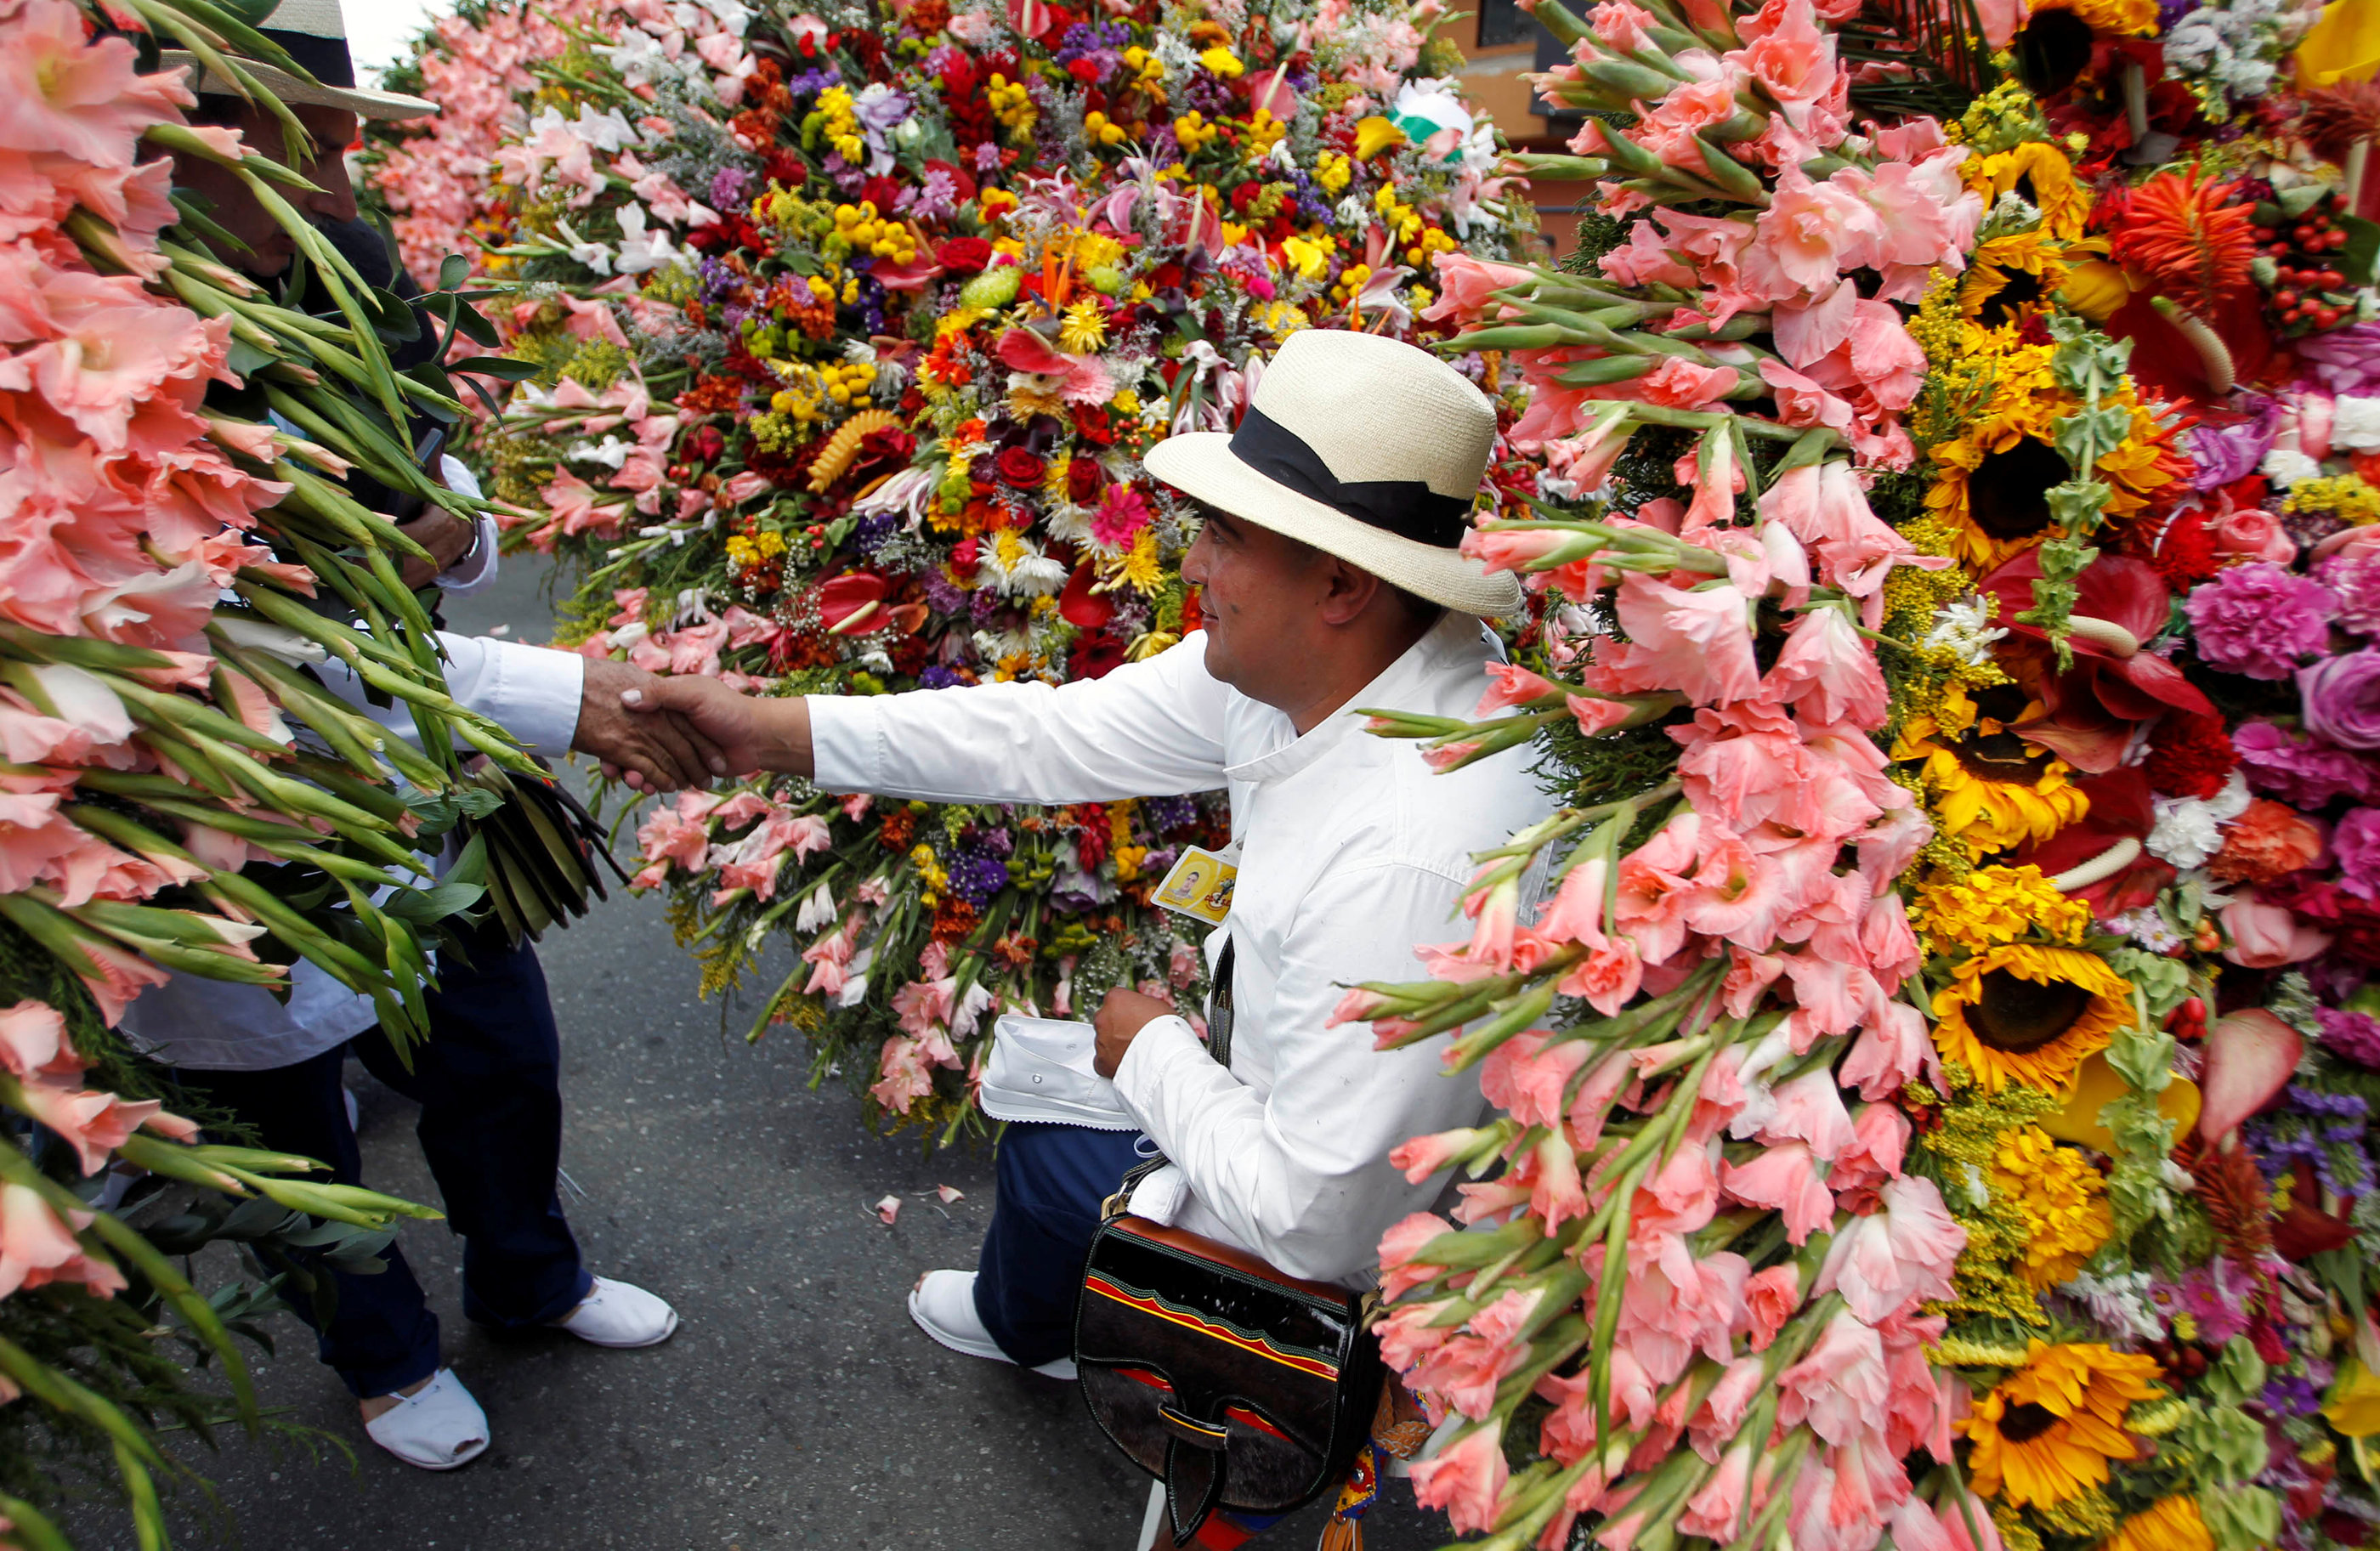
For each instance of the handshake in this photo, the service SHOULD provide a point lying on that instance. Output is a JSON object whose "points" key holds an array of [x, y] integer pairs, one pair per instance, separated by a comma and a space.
{"points": [[659, 735]]}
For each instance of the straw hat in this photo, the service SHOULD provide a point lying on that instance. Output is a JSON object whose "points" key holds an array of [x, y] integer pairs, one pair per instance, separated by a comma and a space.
{"points": [[1365, 448], [315, 34]]}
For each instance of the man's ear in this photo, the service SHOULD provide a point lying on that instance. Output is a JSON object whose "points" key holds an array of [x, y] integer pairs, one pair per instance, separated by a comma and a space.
{"points": [[1348, 590]]}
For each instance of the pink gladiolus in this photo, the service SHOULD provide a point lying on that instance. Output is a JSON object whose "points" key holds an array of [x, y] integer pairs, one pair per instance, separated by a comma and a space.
{"points": [[1794, 63], [1698, 641], [1424, 1156], [905, 1076], [1809, 235], [1880, 1140], [1826, 662], [1405, 1240], [1770, 1297], [1465, 1480], [1358, 1006], [83, 99], [1526, 1076], [1678, 383], [830, 959], [34, 1042], [1738, 893], [1840, 1388], [1899, 1258], [1556, 1193], [1409, 1335], [1717, 1511], [93, 1123], [1783, 1179], [36, 1249], [1465, 283], [1499, 550], [1609, 977], [1810, 1109], [1510, 687]]}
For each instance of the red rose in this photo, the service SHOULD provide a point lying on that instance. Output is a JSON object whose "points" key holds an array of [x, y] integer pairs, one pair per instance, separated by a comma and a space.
{"points": [[966, 255], [708, 444], [1084, 70], [1020, 468], [1083, 480]]}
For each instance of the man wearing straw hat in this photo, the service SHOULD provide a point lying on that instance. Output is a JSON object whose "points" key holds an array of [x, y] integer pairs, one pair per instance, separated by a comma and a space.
{"points": [[1331, 580], [487, 1080]]}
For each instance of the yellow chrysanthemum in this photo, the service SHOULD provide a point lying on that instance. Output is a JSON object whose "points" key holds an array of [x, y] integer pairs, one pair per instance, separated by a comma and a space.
{"points": [[1992, 905], [1991, 790], [2037, 171], [2045, 1433], [2168, 1524], [2062, 1199], [2026, 1013]]}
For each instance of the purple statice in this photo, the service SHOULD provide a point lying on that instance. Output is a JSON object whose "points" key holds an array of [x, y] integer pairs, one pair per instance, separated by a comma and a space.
{"points": [[2303, 772], [981, 605], [2291, 1396], [2223, 453], [1167, 814], [809, 83], [2349, 1036], [869, 309], [976, 876], [869, 535], [2355, 582], [719, 281], [2258, 620], [2318, 1128], [1211, 94], [942, 594], [1100, 42], [728, 186], [939, 676]]}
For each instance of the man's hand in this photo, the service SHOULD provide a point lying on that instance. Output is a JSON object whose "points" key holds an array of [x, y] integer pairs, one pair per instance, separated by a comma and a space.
{"points": [[652, 753], [750, 734], [447, 538], [1122, 1017]]}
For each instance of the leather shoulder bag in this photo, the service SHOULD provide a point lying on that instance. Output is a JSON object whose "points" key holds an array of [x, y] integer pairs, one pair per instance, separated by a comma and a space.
{"points": [[1237, 1384]]}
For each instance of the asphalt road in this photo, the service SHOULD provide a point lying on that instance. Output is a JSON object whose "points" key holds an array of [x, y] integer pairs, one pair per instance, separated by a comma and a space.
{"points": [[796, 1406]]}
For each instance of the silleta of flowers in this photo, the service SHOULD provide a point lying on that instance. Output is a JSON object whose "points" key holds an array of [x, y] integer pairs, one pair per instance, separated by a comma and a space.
{"points": [[855, 327], [178, 791], [1934, 1100]]}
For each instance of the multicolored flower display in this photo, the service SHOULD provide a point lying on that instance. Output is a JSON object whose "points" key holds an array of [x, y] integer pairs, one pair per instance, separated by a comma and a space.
{"points": [[856, 328], [1934, 1100]]}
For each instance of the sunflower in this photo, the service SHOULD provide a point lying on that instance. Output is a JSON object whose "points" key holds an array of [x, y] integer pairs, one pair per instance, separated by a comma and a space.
{"points": [[2045, 1433], [2009, 275], [1992, 790], [2168, 1524], [2038, 173], [2062, 1200], [2026, 1013], [1992, 481]]}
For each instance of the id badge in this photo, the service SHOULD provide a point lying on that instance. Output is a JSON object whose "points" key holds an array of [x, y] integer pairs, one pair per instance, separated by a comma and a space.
{"points": [[1200, 885]]}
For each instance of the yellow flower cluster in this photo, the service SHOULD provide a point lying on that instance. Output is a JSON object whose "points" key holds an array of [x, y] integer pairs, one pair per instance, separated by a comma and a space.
{"points": [[1333, 171], [2346, 497], [1223, 62], [1993, 905], [1351, 281], [863, 228], [1084, 328], [847, 383], [1100, 129], [840, 124], [1433, 242], [1265, 131], [743, 553], [2062, 1198], [1195, 133], [1403, 220], [933, 876], [1011, 104]]}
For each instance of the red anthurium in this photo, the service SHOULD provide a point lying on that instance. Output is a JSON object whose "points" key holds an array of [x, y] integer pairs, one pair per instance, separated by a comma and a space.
{"points": [[2251, 1056], [2120, 811], [2118, 591], [850, 602], [1024, 350]]}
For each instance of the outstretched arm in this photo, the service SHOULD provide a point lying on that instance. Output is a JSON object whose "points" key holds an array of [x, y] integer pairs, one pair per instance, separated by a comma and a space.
{"points": [[748, 733]]}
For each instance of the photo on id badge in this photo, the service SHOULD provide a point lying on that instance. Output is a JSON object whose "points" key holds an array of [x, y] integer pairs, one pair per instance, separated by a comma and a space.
{"points": [[1199, 884]]}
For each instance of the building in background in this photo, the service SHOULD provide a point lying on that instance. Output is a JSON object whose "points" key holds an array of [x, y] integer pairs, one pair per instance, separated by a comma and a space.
{"points": [[1502, 47]]}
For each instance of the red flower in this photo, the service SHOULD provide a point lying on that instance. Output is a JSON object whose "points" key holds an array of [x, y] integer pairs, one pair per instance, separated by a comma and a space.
{"points": [[2189, 755], [706, 444], [1019, 470], [966, 255], [1084, 481]]}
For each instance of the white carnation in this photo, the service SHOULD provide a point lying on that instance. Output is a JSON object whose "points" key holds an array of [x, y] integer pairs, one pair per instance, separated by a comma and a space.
{"points": [[2285, 465], [2356, 423]]}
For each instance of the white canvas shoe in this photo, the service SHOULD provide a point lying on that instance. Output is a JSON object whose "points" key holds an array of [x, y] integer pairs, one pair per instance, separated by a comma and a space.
{"points": [[438, 1427], [620, 1314], [943, 1306]]}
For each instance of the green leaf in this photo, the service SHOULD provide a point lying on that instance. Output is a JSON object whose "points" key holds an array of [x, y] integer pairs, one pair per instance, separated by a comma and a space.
{"points": [[504, 367], [2241, 1519], [2237, 1374], [452, 270], [2359, 259]]}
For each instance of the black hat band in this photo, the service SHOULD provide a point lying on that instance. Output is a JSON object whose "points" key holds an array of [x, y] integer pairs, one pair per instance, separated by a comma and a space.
{"points": [[1408, 508]]}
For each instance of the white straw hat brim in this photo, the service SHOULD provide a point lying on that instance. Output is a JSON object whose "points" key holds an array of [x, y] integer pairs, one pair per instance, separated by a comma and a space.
{"points": [[362, 102], [1202, 464]]}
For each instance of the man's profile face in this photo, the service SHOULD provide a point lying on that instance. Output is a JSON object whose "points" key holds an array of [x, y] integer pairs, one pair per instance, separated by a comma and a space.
{"points": [[1258, 598], [269, 249]]}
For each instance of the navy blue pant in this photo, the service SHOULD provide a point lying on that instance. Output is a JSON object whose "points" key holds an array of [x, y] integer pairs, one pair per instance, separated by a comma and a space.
{"points": [[488, 1081], [1053, 1179]]}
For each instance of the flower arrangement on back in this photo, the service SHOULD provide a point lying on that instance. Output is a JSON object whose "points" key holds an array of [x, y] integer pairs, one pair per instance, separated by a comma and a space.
{"points": [[1936, 1098], [856, 330]]}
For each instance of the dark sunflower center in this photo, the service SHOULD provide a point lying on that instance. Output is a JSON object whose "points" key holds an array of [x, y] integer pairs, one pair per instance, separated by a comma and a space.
{"points": [[2009, 492], [2016, 1016], [2024, 1422], [2051, 51], [2020, 291]]}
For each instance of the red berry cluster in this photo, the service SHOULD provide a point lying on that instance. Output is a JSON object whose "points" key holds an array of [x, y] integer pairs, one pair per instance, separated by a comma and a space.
{"points": [[2309, 291]]}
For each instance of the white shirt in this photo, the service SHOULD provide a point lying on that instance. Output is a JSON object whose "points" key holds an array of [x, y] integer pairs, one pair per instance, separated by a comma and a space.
{"points": [[1352, 852], [219, 1025]]}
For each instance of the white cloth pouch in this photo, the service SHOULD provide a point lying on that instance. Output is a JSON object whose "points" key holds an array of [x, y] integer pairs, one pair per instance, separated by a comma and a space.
{"points": [[1040, 1070]]}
